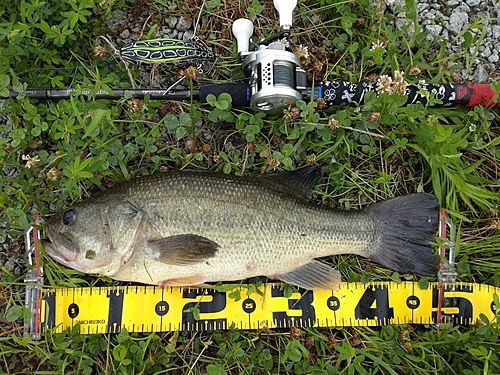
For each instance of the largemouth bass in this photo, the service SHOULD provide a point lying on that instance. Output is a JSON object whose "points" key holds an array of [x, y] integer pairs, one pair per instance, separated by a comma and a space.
{"points": [[193, 227]]}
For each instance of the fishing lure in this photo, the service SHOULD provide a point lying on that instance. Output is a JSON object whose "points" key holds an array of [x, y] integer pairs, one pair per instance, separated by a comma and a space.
{"points": [[165, 50]]}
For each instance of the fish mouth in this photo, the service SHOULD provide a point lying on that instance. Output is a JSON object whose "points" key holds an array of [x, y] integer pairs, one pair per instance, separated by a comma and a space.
{"points": [[60, 246]]}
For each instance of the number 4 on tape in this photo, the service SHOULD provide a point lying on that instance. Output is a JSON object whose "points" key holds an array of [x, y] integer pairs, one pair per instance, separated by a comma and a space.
{"points": [[153, 309]]}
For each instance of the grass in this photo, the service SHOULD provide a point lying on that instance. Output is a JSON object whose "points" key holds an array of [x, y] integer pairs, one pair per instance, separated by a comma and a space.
{"points": [[76, 147]]}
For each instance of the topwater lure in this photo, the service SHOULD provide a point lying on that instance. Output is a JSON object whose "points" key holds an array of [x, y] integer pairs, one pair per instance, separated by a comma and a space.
{"points": [[165, 50]]}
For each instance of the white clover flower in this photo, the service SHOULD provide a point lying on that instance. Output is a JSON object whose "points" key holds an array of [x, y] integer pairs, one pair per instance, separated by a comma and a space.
{"points": [[399, 84], [384, 84], [301, 51], [398, 76], [377, 44], [31, 161]]}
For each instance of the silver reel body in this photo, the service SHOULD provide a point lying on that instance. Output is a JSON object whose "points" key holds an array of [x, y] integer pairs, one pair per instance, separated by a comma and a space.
{"points": [[275, 78]]}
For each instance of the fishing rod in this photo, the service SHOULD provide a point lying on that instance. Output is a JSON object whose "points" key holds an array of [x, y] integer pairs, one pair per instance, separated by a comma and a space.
{"points": [[275, 79], [334, 93]]}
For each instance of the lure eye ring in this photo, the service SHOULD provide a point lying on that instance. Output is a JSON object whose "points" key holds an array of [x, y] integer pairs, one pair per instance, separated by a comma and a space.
{"points": [[69, 217]]}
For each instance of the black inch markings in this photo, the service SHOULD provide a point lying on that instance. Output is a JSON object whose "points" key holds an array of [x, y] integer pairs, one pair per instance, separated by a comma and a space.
{"points": [[215, 303], [115, 310], [300, 311], [374, 304]]}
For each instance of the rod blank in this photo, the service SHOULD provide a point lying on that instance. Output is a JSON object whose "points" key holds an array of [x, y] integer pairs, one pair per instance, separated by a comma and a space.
{"points": [[334, 93]]}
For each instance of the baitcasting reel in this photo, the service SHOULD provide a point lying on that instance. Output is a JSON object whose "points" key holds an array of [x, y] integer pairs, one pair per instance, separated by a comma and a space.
{"points": [[275, 75]]}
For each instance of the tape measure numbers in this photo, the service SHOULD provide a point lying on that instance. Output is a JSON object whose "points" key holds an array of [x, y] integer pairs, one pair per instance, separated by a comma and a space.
{"points": [[153, 309]]}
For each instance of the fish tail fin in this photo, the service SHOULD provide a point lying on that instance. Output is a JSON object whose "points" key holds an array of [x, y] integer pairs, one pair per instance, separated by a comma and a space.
{"points": [[406, 226]]}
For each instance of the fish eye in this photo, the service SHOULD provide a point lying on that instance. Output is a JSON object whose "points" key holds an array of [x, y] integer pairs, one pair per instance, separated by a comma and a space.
{"points": [[69, 217], [90, 254]]}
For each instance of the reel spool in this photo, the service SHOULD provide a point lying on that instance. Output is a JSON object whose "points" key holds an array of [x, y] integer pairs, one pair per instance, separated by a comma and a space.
{"points": [[275, 75]]}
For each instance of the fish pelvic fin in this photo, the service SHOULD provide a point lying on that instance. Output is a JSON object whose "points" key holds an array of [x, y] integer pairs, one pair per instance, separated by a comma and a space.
{"points": [[313, 276], [196, 281], [406, 226]]}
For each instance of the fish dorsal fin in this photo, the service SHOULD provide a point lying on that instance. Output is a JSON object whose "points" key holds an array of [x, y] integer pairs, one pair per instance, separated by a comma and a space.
{"points": [[299, 182], [183, 249]]}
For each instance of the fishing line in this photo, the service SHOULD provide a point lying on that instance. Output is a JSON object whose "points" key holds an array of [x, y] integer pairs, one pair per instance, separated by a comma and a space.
{"points": [[198, 20]]}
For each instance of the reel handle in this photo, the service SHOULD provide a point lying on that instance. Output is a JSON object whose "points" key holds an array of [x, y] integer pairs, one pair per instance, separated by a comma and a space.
{"points": [[242, 31], [285, 9]]}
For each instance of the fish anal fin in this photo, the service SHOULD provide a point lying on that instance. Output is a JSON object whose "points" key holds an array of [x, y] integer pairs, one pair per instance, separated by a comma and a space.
{"points": [[313, 276], [183, 249]]}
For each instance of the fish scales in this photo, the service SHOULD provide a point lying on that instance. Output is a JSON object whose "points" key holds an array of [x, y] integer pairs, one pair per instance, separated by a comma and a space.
{"points": [[253, 224], [157, 226]]}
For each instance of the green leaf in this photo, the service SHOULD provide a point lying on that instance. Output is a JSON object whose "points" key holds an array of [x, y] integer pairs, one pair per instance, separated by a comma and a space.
{"points": [[4, 81], [211, 99], [423, 283], [214, 115], [216, 369], [85, 174], [180, 132], [255, 7], [44, 26], [467, 40], [171, 121], [92, 129], [287, 149], [226, 169], [185, 119], [411, 10], [13, 313], [222, 104], [36, 131]]}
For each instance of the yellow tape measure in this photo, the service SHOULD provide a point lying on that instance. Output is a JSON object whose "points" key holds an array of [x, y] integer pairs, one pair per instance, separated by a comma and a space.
{"points": [[153, 309]]}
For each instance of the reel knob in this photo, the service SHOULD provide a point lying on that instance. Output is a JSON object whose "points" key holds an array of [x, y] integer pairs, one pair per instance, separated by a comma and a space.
{"points": [[285, 9], [242, 31]]}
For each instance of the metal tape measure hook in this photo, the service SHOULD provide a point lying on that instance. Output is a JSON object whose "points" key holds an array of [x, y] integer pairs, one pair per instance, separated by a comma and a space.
{"points": [[447, 272], [447, 231], [33, 281]]}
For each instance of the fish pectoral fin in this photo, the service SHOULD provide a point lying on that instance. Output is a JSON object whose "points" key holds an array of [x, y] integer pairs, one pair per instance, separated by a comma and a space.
{"points": [[183, 249], [313, 276]]}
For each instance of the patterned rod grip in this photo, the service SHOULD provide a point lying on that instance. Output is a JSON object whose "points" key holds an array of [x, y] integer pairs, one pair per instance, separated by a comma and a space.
{"points": [[465, 95]]}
